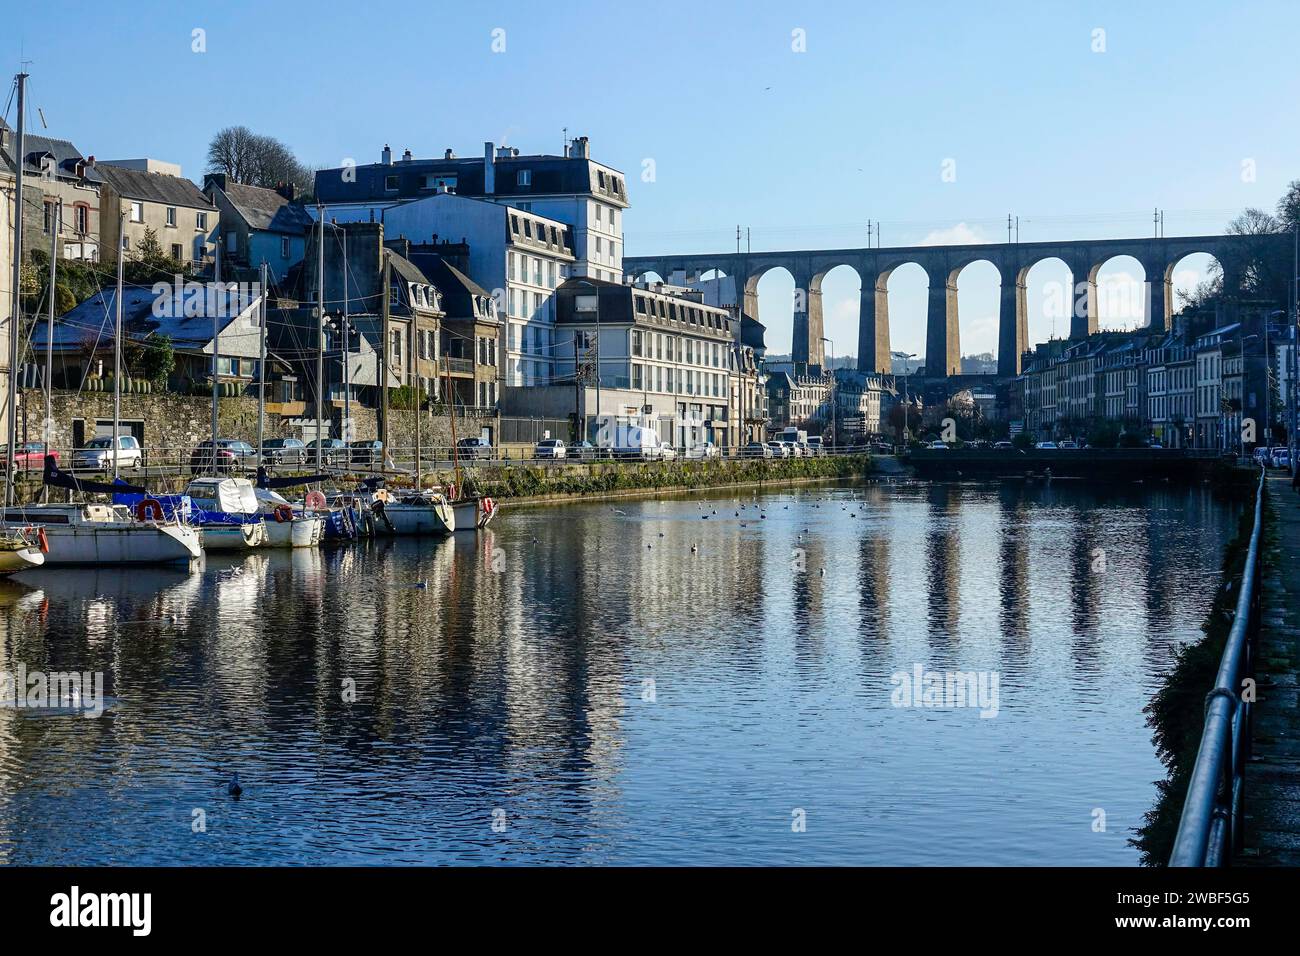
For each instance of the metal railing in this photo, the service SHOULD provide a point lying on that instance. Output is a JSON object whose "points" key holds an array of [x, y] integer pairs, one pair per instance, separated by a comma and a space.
{"points": [[1210, 829]]}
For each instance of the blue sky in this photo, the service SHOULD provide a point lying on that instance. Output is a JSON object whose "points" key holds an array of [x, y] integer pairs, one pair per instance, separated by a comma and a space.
{"points": [[801, 147]]}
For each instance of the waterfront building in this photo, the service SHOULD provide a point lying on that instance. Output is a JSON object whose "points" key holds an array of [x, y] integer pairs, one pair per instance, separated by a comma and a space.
{"points": [[155, 197], [798, 399], [587, 196], [659, 351], [470, 328], [1210, 408], [862, 401], [411, 351], [520, 257], [62, 175], [258, 225]]}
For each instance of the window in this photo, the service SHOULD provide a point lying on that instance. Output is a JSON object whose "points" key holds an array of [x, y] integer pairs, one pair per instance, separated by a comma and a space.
{"points": [[201, 221], [636, 341], [528, 228], [177, 253], [395, 339], [598, 208], [390, 184], [171, 216], [81, 219], [137, 211], [524, 178], [284, 247], [48, 223], [514, 225], [636, 375]]}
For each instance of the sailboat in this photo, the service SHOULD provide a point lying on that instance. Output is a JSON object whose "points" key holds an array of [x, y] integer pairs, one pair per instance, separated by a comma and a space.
{"points": [[20, 547], [94, 533], [89, 533]]}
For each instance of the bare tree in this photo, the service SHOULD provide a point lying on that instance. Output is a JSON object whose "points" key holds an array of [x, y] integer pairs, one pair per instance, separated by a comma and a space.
{"points": [[256, 160]]}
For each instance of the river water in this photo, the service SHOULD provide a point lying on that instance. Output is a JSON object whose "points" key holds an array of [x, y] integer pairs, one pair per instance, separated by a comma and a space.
{"points": [[576, 685]]}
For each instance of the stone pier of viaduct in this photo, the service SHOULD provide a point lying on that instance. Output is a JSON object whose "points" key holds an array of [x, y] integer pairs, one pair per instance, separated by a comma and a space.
{"points": [[942, 264]]}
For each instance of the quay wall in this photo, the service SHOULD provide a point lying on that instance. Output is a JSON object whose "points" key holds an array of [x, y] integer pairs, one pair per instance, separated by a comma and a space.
{"points": [[176, 422]]}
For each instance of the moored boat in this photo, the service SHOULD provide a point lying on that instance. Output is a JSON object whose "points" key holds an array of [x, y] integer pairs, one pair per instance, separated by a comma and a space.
{"points": [[20, 549], [422, 514], [107, 534], [474, 513]]}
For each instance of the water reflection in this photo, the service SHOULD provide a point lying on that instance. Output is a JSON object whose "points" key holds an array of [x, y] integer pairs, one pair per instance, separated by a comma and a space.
{"points": [[614, 695]]}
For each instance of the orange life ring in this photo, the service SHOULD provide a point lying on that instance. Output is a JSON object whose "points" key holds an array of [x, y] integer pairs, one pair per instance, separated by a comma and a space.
{"points": [[283, 513], [488, 505], [451, 492], [315, 501], [43, 540], [150, 509]]}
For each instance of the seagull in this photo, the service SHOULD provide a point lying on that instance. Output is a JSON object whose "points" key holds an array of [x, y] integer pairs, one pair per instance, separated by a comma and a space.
{"points": [[822, 572], [694, 549], [233, 788]]}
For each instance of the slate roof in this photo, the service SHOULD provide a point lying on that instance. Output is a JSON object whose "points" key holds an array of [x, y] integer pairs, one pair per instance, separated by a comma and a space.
{"points": [[66, 156], [266, 210], [154, 187], [549, 175], [95, 317], [457, 288]]}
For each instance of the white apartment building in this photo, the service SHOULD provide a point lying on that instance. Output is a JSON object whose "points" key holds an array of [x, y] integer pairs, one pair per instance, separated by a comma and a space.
{"points": [[520, 257]]}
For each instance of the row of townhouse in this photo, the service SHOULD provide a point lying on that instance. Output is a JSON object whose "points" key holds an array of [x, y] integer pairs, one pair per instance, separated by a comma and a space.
{"points": [[852, 401], [1206, 384]]}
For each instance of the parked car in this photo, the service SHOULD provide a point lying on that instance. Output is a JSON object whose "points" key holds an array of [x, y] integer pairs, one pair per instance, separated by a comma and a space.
{"points": [[474, 448], [805, 449], [667, 453], [1003, 446], [1155, 444], [333, 451], [703, 450], [792, 449], [1069, 444], [779, 449], [284, 451], [756, 449], [582, 450], [938, 446], [550, 448], [29, 456], [1050, 445], [232, 454], [815, 445], [1281, 458], [99, 453], [366, 452]]}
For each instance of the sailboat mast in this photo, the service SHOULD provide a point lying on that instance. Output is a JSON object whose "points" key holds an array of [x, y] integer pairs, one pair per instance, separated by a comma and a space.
{"points": [[261, 366], [47, 429], [451, 409], [15, 318], [216, 350], [117, 340], [320, 335]]}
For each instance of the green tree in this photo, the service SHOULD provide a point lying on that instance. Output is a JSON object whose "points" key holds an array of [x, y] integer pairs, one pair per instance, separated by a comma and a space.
{"points": [[159, 360]]}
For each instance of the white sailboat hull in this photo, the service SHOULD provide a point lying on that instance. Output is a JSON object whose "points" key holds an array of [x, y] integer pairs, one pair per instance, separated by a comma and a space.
{"points": [[111, 543], [304, 531], [233, 537]]}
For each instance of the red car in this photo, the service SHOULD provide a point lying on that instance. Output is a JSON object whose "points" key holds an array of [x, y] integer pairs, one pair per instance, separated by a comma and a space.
{"points": [[29, 456]]}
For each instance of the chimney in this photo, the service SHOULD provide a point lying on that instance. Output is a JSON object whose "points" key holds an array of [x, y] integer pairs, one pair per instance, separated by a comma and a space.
{"points": [[406, 156], [288, 190], [90, 162], [386, 157], [449, 154], [489, 169], [581, 148]]}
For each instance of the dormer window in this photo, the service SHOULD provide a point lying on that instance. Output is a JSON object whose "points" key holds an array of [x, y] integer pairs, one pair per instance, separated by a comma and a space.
{"points": [[390, 184], [524, 177]]}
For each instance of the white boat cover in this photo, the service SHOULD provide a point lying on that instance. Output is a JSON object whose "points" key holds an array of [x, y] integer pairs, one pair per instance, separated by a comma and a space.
{"points": [[231, 495]]}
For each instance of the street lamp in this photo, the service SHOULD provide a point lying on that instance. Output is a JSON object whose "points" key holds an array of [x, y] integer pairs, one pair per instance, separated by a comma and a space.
{"points": [[835, 400], [906, 357]]}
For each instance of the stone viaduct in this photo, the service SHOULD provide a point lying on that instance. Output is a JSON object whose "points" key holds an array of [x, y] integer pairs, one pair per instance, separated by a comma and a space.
{"points": [[942, 264]]}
